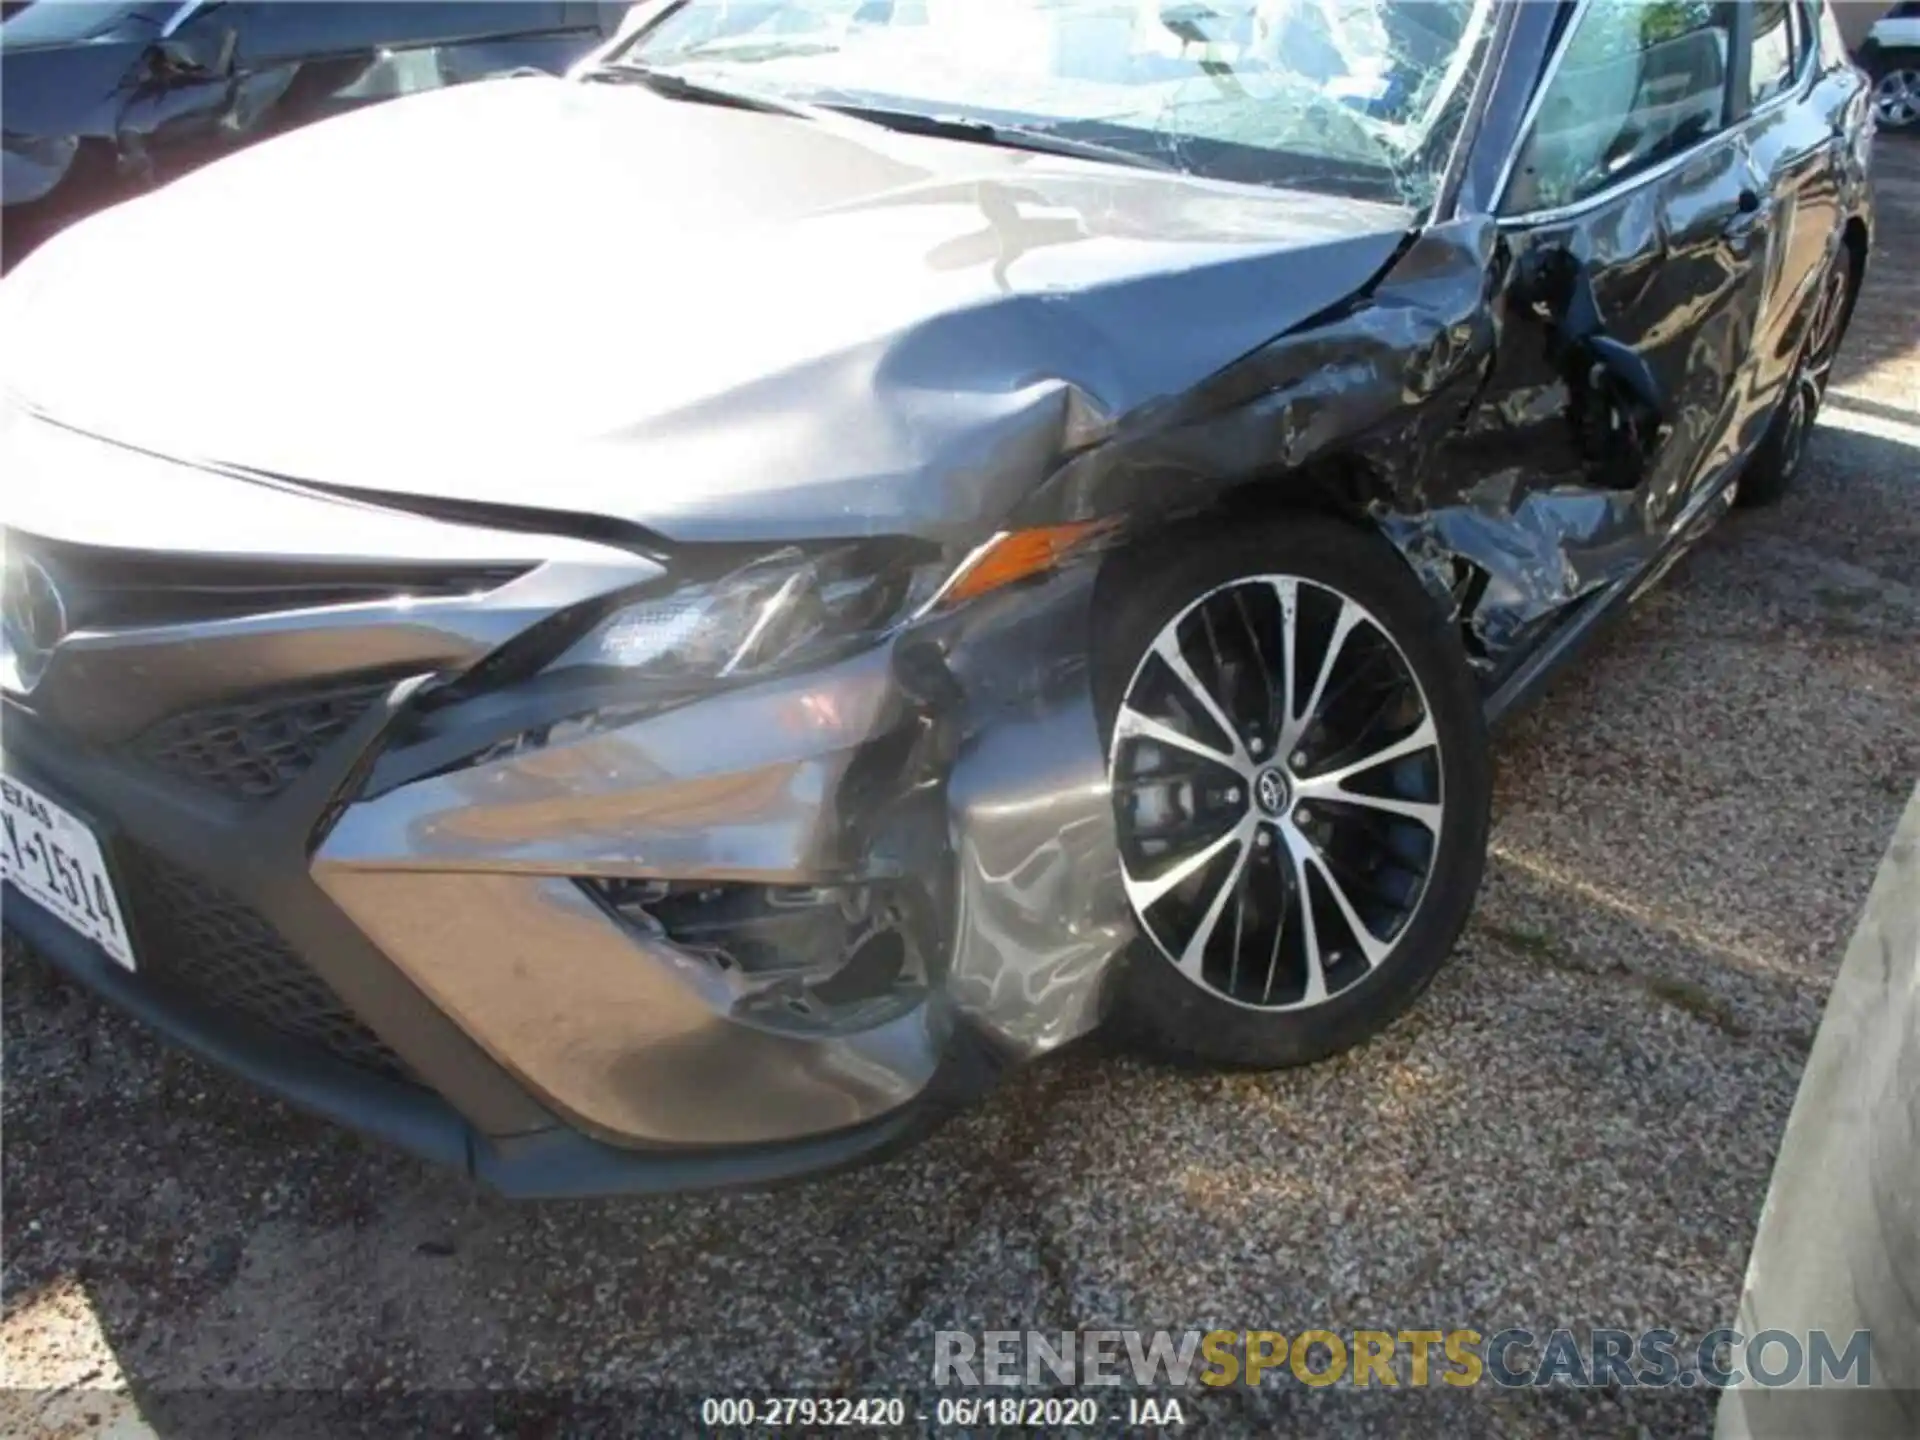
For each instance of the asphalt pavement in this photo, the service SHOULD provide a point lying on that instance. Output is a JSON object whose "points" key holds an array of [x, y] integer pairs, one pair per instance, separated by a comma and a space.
{"points": [[1576, 1127]]}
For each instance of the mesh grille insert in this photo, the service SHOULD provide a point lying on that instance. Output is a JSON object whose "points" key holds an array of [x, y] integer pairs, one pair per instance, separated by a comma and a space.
{"points": [[255, 750], [196, 938]]}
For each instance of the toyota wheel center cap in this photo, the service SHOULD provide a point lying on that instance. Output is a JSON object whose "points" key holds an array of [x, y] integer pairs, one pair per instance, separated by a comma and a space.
{"points": [[1271, 791]]}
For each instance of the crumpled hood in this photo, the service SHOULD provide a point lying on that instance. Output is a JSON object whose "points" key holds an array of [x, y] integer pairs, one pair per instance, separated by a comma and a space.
{"points": [[715, 323]]}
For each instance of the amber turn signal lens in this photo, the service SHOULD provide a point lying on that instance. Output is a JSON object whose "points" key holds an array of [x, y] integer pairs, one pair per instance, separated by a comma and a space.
{"points": [[1016, 555]]}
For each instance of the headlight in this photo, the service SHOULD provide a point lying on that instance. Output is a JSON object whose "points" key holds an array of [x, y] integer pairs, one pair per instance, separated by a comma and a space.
{"points": [[782, 611]]}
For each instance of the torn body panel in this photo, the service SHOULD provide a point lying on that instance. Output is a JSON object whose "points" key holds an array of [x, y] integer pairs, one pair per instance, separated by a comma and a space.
{"points": [[1427, 406], [1039, 913], [953, 780], [1519, 469]]}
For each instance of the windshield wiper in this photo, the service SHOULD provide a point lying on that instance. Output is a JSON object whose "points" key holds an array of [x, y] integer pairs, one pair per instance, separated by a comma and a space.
{"points": [[675, 86], [985, 132], [672, 85]]}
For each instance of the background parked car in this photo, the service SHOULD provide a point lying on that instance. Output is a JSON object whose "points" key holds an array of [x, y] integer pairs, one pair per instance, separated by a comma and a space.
{"points": [[1891, 54], [101, 98]]}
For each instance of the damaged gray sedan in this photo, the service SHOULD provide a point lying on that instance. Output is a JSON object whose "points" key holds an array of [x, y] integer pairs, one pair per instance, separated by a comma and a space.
{"points": [[662, 628]]}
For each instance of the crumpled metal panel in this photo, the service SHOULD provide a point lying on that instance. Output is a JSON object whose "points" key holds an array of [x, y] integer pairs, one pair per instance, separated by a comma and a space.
{"points": [[1387, 394], [1539, 550], [964, 760], [1039, 913], [1372, 378]]}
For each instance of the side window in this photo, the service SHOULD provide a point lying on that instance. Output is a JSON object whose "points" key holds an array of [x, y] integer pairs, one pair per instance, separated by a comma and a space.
{"points": [[1811, 12], [1638, 82], [1772, 69]]}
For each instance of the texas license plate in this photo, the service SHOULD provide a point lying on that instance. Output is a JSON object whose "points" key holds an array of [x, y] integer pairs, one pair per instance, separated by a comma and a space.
{"points": [[55, 859]]}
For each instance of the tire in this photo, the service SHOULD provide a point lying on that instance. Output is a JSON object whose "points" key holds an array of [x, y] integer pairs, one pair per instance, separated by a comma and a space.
{"points": [[1783, 450], [1896, 88], [1398, 676]]}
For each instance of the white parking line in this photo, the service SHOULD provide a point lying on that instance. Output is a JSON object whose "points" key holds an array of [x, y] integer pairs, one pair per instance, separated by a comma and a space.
{"points": [[1839, 413]]}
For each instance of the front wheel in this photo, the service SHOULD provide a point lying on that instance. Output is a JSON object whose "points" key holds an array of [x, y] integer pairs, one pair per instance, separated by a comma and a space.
{"points": [[1298, 762]]}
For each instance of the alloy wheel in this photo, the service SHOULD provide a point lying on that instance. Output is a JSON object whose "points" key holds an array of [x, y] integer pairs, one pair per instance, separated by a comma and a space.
{"points": [[1276, 775], [1809, 383], [1797, 421], [1896, 98], [1828, 326]]}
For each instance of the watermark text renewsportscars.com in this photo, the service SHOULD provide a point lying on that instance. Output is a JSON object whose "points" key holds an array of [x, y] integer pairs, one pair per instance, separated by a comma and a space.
{"points": [[1514, 1358]]}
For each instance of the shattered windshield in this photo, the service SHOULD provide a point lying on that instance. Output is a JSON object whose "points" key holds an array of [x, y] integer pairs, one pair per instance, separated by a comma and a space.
{"points": [[1355, 97]]}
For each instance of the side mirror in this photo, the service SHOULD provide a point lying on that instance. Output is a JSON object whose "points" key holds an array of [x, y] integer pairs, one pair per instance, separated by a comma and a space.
{"points": [[1622, 365], [204, 55], [1615, 402]]}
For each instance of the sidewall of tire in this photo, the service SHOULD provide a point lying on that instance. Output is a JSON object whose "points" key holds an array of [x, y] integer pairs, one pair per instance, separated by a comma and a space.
{"points": [[1144, 589]]}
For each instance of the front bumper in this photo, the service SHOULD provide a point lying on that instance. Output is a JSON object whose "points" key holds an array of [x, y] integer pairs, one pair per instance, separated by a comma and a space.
{"points": [[417, 948], [548, 1162]]}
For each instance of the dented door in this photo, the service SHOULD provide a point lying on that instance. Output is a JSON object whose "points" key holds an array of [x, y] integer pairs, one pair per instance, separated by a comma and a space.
{"points": [[1627, 293], [1635, 184], [1677, 268]]}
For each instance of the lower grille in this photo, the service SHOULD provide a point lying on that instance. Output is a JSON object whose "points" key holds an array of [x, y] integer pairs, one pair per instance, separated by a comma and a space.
{"points": [[255, 750], [196, 938]]}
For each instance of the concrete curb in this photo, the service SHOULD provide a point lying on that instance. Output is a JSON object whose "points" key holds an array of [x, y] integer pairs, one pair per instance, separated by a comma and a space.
{"points": [[1838, 1246]]}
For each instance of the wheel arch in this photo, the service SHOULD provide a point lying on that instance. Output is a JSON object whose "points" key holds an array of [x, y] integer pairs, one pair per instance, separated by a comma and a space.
{"points": [[1343, 486]]}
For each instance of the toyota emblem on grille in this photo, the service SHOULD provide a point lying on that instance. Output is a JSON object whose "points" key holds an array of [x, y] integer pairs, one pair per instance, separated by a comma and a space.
{"points": [[33, 617]]}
